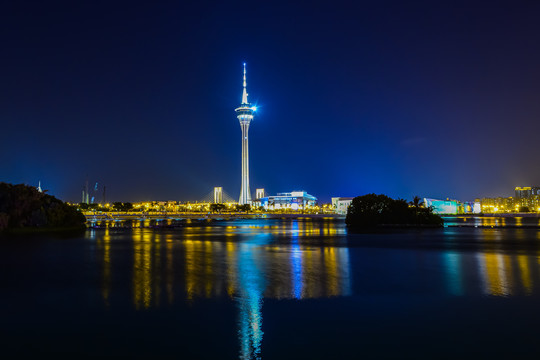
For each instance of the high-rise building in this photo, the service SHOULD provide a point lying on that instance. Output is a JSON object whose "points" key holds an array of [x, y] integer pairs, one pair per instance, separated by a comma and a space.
{"points": [[259, 193], [85, 196], [523, 192], [218, 195], [244, 113]]}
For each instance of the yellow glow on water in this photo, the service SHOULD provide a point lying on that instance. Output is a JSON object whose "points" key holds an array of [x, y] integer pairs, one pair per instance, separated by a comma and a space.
{"points": [[155, 253], [169, 277], [495, 283], [231, 260], [106, 266], [526, 280], [330, 260], [506, 272], [212, 267], [190, 268], [142, 271]]}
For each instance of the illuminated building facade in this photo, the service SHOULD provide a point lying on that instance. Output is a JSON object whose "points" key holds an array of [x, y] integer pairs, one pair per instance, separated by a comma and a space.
{"points": [[295, 200], [444, 206], [218, 195], [259, 193], [523, 192], [341, 204], [244, 113], [526, 192], [526, 199], [509, 204]]}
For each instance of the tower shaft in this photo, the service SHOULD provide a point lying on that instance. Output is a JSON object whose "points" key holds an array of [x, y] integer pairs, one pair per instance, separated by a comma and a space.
{"points": [[245, 193]]}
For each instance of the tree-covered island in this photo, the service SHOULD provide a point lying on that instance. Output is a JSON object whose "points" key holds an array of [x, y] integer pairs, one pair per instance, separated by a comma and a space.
{"points": [[24, 208], [376, 211]]}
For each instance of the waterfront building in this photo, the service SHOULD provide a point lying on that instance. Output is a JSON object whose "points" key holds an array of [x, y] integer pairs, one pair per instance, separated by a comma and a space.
{"points": [[526, 199], [244, 113], [218, 195], [496, 205], [259, 193], [444, 206], [341, 204], [294, 200], [525, 192]]}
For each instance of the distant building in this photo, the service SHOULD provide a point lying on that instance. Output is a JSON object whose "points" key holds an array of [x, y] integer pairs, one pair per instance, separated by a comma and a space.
{"points": [[525, 192], [294, 200], [444, 206], [218, 195], [259, 193], [341, 204], [470, 207], [495, 205]]}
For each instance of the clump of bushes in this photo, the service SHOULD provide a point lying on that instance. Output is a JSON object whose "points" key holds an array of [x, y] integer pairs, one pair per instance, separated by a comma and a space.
{"points": [[23, 206], [369, 211]]}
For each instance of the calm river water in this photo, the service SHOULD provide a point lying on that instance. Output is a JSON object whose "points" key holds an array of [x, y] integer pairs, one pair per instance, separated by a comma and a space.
{"points": [[273, 289]]}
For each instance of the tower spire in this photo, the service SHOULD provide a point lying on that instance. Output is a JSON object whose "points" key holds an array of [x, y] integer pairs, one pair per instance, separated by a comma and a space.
{"points": [[244, 94]]}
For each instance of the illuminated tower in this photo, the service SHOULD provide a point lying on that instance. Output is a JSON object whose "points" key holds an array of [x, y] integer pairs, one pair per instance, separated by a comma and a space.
{"points": [[245, 114]]}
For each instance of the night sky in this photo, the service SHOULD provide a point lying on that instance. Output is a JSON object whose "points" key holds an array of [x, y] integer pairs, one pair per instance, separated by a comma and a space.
{"points": [[403, 98]]}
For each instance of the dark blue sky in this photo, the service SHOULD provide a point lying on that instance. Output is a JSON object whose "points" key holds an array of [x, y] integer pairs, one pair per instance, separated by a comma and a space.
{"points": [[437, 99]]}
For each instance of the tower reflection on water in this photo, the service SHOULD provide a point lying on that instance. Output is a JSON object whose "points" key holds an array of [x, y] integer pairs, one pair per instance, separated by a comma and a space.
{"points": [[249, 262], [245, 263]]}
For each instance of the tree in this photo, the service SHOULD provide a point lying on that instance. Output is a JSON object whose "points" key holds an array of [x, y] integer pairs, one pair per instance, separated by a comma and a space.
{"points": [[118, 206], [217, 207], [23, 206], [93, 206], [416, 202], [375, 210], [245, 207]]}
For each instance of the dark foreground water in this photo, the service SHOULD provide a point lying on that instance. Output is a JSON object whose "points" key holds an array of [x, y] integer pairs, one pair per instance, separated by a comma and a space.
{"points": [[272, 289]]}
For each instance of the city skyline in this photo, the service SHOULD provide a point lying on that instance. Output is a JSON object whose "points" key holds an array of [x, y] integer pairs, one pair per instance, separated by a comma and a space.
{"points": [[436, 100]]}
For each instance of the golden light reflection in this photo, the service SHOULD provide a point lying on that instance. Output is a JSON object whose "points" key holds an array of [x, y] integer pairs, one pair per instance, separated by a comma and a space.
{"points": [[525, 272], [197, 263], [169, 274], [104, 244], [505, 274], [286, 272], [142, 270], [250, 262], [494, 268]]}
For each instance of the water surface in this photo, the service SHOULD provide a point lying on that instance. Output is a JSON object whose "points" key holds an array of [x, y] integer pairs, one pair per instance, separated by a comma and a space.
{"points": [[272, 289]]}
